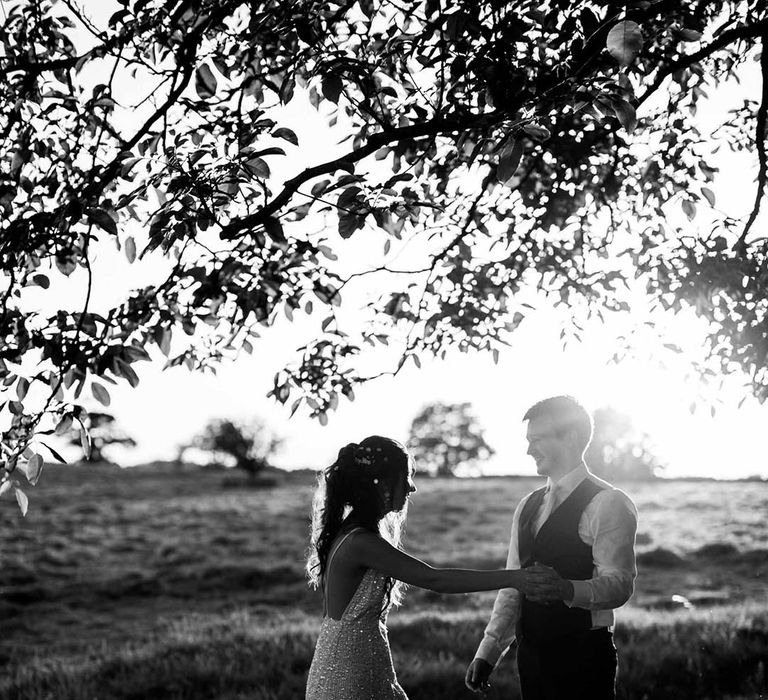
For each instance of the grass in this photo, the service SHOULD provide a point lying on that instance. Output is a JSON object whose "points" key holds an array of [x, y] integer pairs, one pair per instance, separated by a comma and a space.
{"points": [[163, 584]]}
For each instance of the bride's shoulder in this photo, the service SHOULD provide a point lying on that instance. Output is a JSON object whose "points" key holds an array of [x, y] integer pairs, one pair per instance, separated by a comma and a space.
{"points": [[359, 533], [354, 533], [354, 545], [361, 537]]}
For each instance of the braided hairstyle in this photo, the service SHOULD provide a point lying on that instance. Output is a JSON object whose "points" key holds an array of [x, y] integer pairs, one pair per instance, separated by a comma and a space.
{"points": [[350, 485]]}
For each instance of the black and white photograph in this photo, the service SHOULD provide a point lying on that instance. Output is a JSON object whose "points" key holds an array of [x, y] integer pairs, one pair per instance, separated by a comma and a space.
{"points": [[383, 350]]}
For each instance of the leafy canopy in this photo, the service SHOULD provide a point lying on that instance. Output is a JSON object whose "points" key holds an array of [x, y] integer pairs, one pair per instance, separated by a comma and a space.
{"points": [[503, 137]]}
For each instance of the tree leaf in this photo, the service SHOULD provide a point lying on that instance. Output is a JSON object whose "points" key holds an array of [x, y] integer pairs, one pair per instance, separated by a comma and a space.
{"points": [[21, 499], [274, 228], [221, 66], [689, 208], [205, 81], [130, 249], [327, 252], [537, 132], [332, 87], [22, 387], [164, 342], [55, 454], [689, 34], [41, 281], [509, 160], [63, 426], [100, 393], [257, 167], [271, 151], [102, 219], [709, 195], [603, 105], [286, 90], [319, 188], [286, 134], [85, 442], [127, 165], [32, 468], [348, 223], [624, 41], [126, 371], [625, 113]]}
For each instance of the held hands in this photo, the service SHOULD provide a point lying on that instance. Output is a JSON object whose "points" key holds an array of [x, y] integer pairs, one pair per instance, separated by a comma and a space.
{"points": [[542, 584]]}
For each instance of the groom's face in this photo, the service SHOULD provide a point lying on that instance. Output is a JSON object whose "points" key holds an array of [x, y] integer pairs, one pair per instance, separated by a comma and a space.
{"points": [[547, 446]]}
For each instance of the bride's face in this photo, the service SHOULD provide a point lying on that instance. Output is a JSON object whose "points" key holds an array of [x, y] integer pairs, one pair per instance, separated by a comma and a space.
{"points": [[403, 489]]}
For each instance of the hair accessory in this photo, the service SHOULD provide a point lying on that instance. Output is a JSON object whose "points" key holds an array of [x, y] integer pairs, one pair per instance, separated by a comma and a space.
{"points": [[375, 481], [364, 456]]}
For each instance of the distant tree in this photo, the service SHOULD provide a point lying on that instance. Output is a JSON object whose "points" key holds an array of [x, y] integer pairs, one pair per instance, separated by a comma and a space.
{"points": [[446, 436], [103, 433], [251, 446], [619, 450]]}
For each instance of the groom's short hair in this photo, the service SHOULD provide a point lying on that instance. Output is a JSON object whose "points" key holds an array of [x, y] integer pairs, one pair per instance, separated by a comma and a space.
{"points": [[567, 414]]}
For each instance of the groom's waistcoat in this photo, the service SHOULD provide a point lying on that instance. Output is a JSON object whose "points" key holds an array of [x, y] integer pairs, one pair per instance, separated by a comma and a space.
{"points": [[557, 544]]}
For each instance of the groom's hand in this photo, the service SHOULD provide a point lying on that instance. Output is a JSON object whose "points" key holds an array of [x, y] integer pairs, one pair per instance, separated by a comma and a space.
{"points": [[547, 586], [478, 673]]}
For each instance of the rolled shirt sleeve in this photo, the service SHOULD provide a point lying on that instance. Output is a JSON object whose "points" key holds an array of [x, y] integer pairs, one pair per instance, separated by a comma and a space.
{"points": [[609, 526], [500, 630]]}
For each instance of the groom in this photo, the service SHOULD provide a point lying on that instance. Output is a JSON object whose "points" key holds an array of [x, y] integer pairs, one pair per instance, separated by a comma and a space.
{"points": [[579, 533]]}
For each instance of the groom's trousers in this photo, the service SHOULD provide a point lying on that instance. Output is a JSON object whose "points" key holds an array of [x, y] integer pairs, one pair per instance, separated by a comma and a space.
{"points": [[577, 667]]}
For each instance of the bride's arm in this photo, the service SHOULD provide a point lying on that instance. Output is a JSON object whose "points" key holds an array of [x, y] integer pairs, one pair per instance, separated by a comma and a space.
{"points": [[373, 552]]}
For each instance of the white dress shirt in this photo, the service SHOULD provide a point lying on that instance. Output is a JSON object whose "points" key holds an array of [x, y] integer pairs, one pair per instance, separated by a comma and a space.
{"points": [[608, 525]]}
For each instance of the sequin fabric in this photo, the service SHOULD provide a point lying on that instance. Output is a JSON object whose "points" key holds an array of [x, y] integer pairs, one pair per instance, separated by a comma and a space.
{"points": [[352, 659]]}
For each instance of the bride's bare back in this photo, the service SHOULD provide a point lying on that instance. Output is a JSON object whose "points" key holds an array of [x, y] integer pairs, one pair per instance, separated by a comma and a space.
{"points": [[342, 576]]}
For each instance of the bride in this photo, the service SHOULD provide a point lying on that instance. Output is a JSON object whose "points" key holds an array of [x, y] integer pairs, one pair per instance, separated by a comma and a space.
{"points": [[358, 511]]}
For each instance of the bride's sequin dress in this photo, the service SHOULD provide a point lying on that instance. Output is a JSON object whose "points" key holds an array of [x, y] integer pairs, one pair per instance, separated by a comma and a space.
{"points": [[352, 659]]}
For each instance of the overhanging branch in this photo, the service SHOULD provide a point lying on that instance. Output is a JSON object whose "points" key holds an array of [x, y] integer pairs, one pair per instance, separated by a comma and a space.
{"points": [[375, 142], [760, 133]]}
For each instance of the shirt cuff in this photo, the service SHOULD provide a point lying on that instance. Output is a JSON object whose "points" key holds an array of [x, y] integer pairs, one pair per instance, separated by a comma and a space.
{"points": [[582, 595], [489, 651]]}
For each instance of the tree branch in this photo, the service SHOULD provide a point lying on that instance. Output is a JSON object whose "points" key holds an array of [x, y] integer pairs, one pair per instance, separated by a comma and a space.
{"points": [[80, 14], [760, 133], [185, 68], [375, 141], [732, 35]]}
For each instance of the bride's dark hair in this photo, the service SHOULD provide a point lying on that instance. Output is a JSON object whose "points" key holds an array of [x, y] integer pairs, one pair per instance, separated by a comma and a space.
{"points": [[348, 486]]}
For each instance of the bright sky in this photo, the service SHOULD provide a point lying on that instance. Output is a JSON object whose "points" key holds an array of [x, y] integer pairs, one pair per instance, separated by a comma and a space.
{"points": [[169, 407]]}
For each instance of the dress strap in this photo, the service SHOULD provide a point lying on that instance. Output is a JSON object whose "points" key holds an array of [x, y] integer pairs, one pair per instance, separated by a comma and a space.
{"points": [[328, 565]]}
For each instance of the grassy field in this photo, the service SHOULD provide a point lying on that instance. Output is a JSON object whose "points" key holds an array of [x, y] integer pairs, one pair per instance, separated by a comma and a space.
{"points": [[158, 583]]}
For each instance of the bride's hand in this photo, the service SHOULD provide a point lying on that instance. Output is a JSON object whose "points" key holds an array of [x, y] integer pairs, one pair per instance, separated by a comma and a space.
{"points": [[545, 585]]}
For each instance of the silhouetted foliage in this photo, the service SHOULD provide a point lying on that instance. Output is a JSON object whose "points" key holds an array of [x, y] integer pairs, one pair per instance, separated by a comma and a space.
{"points": [[250, 446], [444, 437], [502, 138], [619, 450], [102, 432]]}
